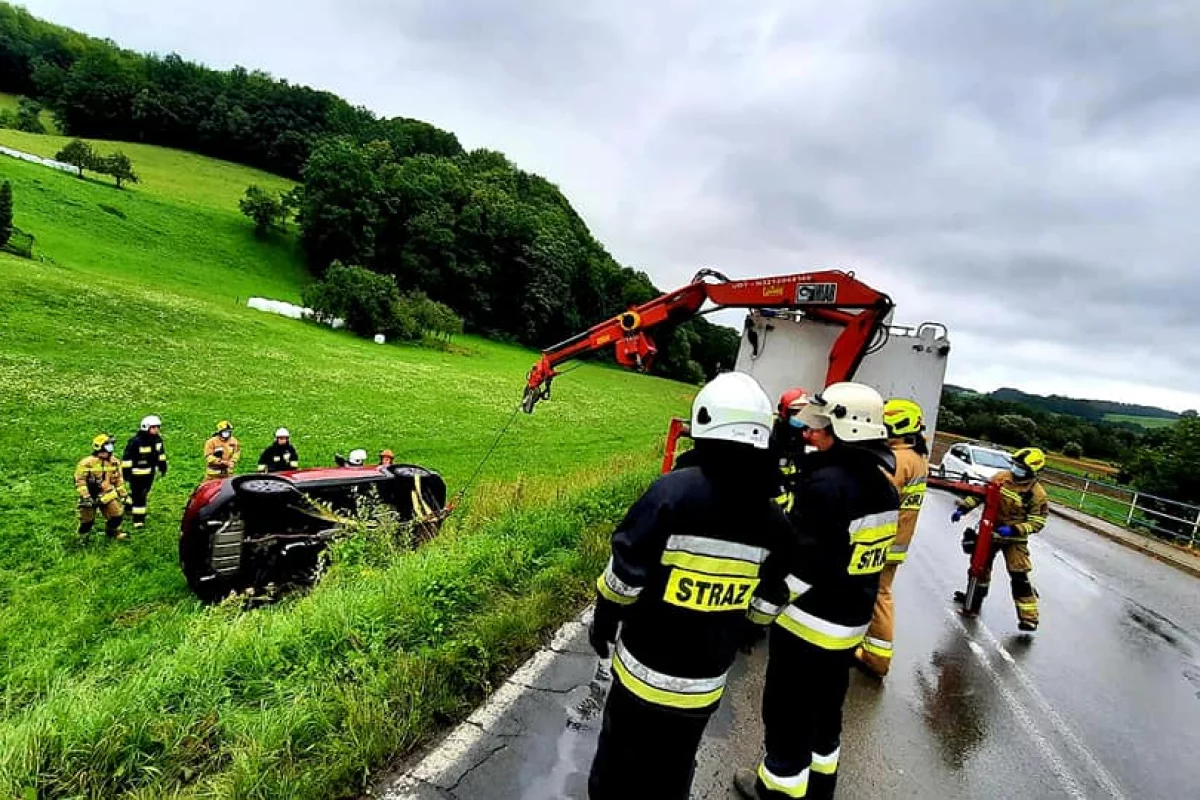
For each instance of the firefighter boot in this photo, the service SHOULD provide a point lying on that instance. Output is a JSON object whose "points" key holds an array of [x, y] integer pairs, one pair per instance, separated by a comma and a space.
{"points": [[85, 528], [1025, 599], [112, 527]]}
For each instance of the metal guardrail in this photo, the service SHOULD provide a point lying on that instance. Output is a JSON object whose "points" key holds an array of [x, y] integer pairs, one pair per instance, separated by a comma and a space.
{"points": [[1138, 511]]}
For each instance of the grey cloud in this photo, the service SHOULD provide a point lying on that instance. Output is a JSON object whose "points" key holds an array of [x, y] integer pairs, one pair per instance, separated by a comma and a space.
{"points": [[1025, 171]]}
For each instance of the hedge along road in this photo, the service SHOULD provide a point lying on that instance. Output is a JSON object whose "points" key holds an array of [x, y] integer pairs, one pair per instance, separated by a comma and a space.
{"points": [[1101, 702]]}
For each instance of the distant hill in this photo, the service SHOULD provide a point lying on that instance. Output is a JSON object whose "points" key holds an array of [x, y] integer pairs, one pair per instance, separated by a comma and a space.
{"points": [[1095, 410]]}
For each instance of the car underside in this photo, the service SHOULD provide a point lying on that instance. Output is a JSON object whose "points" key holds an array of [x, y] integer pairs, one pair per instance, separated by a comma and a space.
{"points": [[260, 534]]}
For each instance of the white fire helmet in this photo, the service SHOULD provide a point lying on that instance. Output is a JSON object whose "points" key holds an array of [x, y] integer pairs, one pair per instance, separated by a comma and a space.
{"points": [[853, 410], [282, 433], [733, 407], [357, 458], [150, 422]]}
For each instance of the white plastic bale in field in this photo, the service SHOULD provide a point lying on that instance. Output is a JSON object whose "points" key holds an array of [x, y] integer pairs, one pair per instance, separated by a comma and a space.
{"points": [[379, 338], [911, 363], [290, 310]]}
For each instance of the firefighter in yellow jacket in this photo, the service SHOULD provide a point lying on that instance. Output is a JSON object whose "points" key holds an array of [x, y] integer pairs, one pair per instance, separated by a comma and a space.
{"points": [[905, 423], [221, 452], [1022, 513], [100, 487]]}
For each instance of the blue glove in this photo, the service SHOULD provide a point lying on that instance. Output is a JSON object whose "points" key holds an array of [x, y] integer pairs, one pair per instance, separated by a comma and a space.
{"points": [[1005, 530], [957, 515]]}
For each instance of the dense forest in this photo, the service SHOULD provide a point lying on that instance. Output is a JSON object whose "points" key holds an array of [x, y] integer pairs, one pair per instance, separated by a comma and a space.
{"points": [[500, 246], [1018, 424]]}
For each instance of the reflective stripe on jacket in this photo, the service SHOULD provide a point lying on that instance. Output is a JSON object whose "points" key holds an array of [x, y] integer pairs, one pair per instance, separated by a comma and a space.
{"points": [[688, 566], [144, 453], [845, 519], [1023, 507], [217, 450], [912, 469], [96, 477]]}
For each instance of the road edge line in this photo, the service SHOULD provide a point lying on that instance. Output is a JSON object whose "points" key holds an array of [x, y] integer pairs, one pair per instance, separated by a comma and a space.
{"points": [[443, 757]]}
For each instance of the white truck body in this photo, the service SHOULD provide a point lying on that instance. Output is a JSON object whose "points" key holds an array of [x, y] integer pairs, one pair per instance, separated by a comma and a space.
{"points": [[910, 362]]}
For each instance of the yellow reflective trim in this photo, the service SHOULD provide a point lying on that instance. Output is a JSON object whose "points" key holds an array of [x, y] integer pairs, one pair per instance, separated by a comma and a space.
{"points": [[759, 618], [896, 558], [874, 535], [126, 463], [663, 697], [809, 633], [608, 594], [710, 564], [698, 591], [142, 471], [826, 765], [1030, 605], [796, 786], [877, 647]]}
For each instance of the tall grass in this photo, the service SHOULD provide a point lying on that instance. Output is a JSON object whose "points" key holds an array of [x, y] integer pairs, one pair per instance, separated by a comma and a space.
{"points": [[303, 698]]}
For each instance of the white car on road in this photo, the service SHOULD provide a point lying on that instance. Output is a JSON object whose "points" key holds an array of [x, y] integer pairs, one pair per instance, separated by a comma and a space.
{"points": [[973, 460]]}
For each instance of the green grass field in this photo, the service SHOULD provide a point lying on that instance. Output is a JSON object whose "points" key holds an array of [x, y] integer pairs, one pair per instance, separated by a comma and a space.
{"points": [[1151, 423], [116, 682], [11, 102]]}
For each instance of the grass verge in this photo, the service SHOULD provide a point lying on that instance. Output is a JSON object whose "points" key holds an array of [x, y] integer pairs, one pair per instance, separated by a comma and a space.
{"points": [[302, 699]]}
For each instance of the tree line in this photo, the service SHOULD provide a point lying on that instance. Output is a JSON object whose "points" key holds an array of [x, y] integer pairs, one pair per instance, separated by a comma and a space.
{"points": [[1018, 425], [100, 91], [501, 246]]}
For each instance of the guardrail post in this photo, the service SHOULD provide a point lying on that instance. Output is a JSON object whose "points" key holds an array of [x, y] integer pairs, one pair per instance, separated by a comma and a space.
{"points": [[1132, 508], [1082, 495], [1195, 531]]}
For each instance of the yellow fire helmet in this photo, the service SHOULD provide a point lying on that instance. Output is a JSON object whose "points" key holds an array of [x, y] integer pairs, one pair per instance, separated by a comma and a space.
{"points": [[903, 417], [224, 425], [1031, 457], [99, 440]]}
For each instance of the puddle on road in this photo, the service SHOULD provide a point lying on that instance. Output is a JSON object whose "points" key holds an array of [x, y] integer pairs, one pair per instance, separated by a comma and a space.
{"points": [[575, 745]]}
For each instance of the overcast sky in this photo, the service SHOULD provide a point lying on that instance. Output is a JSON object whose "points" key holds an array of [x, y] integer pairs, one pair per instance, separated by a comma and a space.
{"points": [[1025, 171]]}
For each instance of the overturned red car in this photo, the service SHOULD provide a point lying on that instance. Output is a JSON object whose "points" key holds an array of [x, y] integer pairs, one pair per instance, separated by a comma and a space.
{"points": [[258, 531]]}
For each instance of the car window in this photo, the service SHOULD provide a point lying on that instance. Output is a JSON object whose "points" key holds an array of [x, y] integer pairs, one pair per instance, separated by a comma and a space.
{"points": [[960, 451], [990, 458]]}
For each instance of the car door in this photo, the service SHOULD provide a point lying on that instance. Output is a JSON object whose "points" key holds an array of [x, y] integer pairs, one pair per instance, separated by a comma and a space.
{"points": [[957, 461]]}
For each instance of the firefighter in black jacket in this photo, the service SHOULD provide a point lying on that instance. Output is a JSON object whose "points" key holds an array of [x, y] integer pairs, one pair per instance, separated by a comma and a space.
{"points": [[144, 455], [280, 455], [845, 515], [787, 441], [682, 584]]}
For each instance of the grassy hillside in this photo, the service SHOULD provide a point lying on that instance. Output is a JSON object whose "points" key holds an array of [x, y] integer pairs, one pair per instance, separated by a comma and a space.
{"points": [[1150, 423], [11, 103], [178, 230], [116, 683]]}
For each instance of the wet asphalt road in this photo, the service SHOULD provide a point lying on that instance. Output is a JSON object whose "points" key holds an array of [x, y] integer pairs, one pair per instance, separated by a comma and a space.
{"points": [[1103, 701]]}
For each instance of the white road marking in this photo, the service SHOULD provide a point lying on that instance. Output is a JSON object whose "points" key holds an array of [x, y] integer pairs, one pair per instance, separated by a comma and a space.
{"points": [[1049, 753], [447, 756], [1102, 775]]}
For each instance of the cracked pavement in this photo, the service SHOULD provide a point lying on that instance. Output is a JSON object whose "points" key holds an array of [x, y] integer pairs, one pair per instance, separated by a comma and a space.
{"points": [[1101, 702]]}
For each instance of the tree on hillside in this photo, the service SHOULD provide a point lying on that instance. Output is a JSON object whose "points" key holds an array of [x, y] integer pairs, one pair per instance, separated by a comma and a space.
{"points": [[1188, 414], [29, 116], [118, 166], [261, 206], [1073, 449], [78, 154], [6, 213]]}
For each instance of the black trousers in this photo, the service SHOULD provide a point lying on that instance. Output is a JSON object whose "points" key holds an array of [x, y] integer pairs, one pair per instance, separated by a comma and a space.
{"points": [[802, 710], [139, 492], [645, 750]]}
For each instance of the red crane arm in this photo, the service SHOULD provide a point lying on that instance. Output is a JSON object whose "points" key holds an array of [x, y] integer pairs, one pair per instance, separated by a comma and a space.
{"points": [[830, 295]]}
